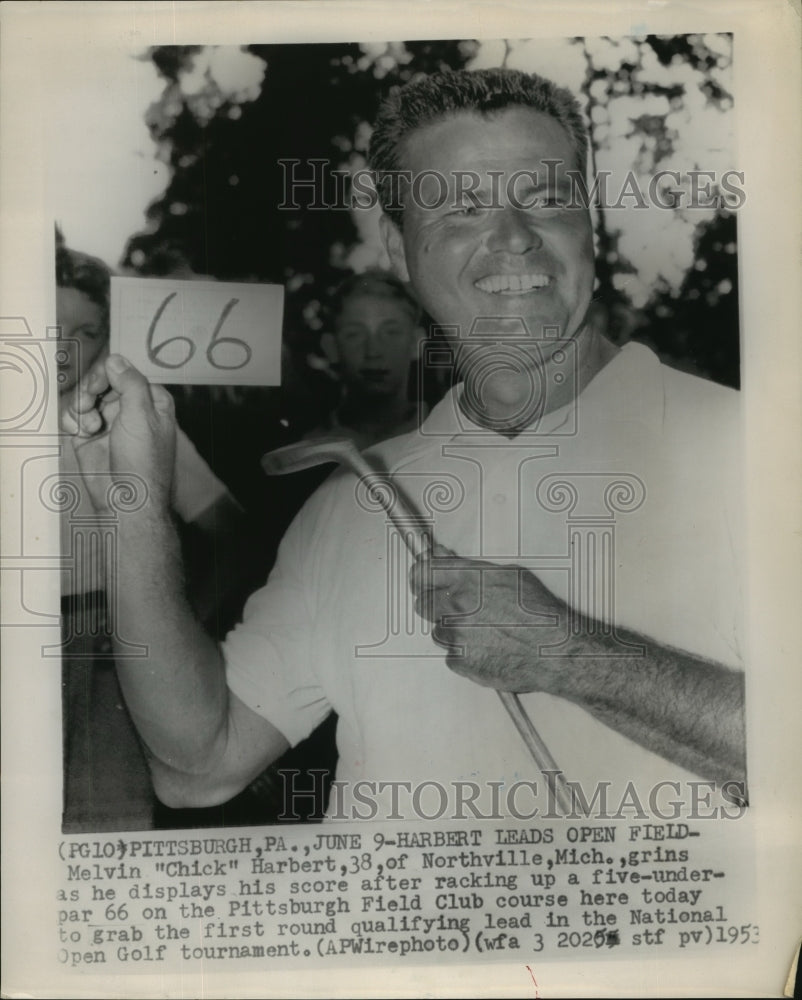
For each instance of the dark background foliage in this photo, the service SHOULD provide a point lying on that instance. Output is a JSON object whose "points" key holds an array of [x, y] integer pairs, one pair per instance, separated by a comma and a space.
{"points": [[220, 214]]}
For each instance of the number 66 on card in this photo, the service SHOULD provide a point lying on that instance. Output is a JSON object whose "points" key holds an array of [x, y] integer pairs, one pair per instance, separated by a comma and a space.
{"points": [[198, 332]]}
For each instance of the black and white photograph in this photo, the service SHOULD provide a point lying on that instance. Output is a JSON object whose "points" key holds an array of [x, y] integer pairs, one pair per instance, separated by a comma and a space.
{"points": [[390, 553], [627, 503]]}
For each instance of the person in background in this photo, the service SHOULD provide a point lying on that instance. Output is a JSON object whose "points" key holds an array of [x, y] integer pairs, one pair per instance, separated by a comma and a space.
{"points": [[373, 335], [372, 331], [106, 781]]}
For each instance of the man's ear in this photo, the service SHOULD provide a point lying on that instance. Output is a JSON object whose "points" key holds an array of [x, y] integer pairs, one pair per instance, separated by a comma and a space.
{"points": [[394, 245], [328, 344]]}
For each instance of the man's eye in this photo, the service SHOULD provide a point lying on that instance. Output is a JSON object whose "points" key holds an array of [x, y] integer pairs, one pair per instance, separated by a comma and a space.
{"points": [[548, 201], [465, 211]]}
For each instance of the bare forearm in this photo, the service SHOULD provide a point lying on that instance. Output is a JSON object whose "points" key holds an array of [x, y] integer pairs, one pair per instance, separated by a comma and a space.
{"points": [[510, 634], [204, 744], [176, 693], [682, 707]]}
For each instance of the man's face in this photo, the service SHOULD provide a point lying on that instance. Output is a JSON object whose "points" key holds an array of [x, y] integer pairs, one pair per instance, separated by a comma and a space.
{"points": [[527, 257], [373, 343], [81, 321]]}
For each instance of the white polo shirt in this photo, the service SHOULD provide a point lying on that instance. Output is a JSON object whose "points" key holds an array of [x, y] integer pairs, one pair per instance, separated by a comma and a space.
{"points": [[624, 503]]}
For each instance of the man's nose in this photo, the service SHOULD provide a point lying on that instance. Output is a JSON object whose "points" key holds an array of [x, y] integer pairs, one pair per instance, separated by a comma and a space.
{"points": [[374, 344], [513, 230]]}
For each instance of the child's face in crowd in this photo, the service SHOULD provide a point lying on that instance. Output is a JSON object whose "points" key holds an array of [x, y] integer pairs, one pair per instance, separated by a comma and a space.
{"points": [[373, 344], [83, 328]]}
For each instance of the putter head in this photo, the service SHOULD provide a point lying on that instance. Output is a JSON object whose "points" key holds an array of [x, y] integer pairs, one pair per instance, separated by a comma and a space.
{"points": [[343, 451], [308, 454]]}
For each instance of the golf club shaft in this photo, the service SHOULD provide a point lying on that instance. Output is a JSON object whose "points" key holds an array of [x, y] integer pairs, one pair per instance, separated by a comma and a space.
{"points": [[413, 539]]}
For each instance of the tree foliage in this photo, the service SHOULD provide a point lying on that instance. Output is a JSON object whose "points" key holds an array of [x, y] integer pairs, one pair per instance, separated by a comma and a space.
{"points": [[227, 117]]}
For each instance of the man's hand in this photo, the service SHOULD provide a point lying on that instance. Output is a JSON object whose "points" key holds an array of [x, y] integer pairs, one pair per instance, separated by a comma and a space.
{"points": [[129, 430], [79, 414], [495, 621], [500, 626]]}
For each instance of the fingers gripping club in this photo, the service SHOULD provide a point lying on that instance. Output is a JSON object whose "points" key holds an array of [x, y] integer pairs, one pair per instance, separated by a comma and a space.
{"points": [[306, 455]]}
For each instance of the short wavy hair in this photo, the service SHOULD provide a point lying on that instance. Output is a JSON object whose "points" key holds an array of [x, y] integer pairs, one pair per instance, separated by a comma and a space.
{"points": [[376, 283], [437, 96], [85, 274]]}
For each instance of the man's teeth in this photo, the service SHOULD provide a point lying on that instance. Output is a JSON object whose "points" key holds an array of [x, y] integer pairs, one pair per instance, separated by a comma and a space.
{"points": [[512, 282]]}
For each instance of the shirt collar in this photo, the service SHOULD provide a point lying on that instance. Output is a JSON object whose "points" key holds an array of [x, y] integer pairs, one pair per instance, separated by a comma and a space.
{"points": [[630, 379]]}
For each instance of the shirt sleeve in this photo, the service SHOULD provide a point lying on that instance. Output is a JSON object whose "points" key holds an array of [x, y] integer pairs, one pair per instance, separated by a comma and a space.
{"points": [[708, 472], [196, 487], [269, 656]]}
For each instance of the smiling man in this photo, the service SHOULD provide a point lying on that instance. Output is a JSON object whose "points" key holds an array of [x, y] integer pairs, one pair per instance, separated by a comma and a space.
{"points": [[582, 500], [506, 249]]}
